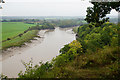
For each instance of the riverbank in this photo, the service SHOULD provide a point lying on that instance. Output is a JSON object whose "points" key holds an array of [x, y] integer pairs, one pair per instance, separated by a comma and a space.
{"points": [[9, 52], [94, 54], [34, 39], [15, 34], [19, 41], [44, 49]]}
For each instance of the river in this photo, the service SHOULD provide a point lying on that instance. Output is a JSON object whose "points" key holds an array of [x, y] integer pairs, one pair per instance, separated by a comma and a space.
{"points": [[43, 49]]}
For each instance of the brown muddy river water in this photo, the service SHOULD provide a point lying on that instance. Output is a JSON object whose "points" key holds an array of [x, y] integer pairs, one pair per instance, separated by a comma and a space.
{"points": [[43, 49]]}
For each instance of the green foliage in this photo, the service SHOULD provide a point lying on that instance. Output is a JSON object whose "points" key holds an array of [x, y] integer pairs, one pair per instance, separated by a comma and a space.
{"points": [[2, 76], [65, 49], [95, 54], [17, 33], [98, 12], [20, 40], [11, 29], [46, 70], [36, 71], [97, 37], [68, 22], [72, 48], [47, 25], [101, 64], [68, 53]]}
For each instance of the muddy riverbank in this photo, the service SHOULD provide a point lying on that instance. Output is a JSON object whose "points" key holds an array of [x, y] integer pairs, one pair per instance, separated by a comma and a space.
{"points": [[11, 51], [43, 49]]}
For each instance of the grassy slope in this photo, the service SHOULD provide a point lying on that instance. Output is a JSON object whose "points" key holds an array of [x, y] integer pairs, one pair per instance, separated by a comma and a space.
{"points": [[11, 29], [100, 64], [20, 40], [103, 63], [11, 32]]}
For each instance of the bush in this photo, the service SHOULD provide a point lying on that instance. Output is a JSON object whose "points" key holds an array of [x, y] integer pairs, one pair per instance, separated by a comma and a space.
{"points": [[97, 37]]}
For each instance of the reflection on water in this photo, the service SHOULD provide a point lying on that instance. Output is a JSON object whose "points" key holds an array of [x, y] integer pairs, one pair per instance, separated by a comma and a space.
{"points": [[44, 51]]}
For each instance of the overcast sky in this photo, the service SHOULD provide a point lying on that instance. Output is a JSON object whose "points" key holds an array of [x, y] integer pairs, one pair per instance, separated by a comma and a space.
{"points": [[46, 8]]}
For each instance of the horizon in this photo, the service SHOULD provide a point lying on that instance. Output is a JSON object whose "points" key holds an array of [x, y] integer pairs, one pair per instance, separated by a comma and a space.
{"points": [[47, 8]]}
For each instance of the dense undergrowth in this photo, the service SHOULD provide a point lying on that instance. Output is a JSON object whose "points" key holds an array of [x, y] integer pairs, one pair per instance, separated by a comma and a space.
{"points": [[95, 54]]}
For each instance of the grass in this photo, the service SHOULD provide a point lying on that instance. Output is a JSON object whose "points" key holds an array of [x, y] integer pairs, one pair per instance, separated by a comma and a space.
{"points": [[11, 29], [20, 40]]}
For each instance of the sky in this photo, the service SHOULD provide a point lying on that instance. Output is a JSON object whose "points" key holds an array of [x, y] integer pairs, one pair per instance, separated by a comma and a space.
{"points": [[47, 8]]}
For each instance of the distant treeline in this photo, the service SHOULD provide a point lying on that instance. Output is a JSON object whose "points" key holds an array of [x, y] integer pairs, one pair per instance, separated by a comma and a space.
{"points": [[68, 22], [63, 23], [56, 22], [45, 25], [20, 20]]}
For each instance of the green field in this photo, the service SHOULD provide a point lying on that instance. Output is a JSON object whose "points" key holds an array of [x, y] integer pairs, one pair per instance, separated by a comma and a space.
{"points": [[20, 40], [11, 29]]}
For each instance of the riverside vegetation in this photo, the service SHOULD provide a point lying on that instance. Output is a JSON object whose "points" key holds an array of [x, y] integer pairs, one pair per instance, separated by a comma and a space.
{"points": [[95, 54], [17, 33]]}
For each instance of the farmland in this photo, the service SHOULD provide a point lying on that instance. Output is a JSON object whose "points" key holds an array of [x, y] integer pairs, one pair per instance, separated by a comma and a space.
{"points": [[20, 40], [12, 29], [17, 33]]}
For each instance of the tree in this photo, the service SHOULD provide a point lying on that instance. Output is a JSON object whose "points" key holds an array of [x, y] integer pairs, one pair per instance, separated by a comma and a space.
{"points": [[97, 13]]}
